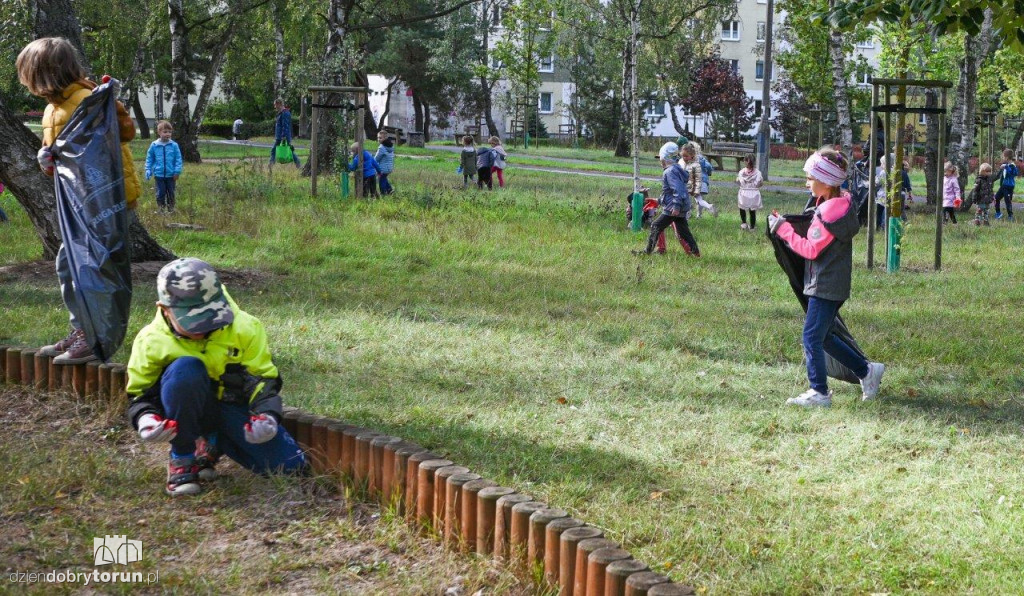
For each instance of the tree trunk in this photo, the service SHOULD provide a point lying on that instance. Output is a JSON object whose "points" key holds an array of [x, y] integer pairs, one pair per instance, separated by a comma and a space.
{"points": [[210, 78], [387, 103], [417, 109], [279, 57], [976, 48], [840, 93], [326, 129], [426, 122], [486, 86], [303, 100], [931, 151], [1017, 134], [57, 18], [140, 116], [181, 117], [621, 140]]}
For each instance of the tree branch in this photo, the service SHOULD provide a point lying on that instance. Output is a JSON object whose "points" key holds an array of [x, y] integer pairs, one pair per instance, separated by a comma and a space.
{"points": [[415, 19]]}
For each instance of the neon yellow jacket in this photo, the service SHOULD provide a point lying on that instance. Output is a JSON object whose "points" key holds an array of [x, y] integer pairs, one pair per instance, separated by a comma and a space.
{"points": [[237, 360]]}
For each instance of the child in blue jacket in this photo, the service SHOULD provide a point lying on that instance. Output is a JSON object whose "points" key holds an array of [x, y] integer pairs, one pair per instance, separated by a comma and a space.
{"points": [[163, 162], [675, 204], [386, 160], [370, 170], [1007, 181]]}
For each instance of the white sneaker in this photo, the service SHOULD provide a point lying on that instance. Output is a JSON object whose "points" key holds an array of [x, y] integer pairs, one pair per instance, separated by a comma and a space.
{"points": [[714, 211], [871, 383], [811, 399], [744, 226]]}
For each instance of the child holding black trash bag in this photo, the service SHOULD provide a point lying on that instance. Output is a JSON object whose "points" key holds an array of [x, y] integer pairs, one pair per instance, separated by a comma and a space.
{"points": [[50, 68], [828, 267]]}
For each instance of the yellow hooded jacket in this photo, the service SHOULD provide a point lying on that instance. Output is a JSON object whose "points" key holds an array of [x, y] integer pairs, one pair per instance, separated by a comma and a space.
{"points": [[56, 116]]}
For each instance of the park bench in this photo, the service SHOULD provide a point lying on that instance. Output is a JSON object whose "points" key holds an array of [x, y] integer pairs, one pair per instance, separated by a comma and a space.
{"points": [[716, 151], [396, 133]]}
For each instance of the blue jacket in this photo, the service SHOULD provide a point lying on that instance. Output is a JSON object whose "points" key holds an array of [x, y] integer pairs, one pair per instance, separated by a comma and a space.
{"points": [[370, 165], [705, 180], [163, 160], [283, 127], [673, 190], [386, 157], [1008, 173]]}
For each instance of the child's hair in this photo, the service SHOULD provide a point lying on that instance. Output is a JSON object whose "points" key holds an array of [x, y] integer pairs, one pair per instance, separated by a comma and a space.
{"points": [[750, 160], [467, 140], [695, 146], [985, 168], [382, 135], [354, 147], [164, 125], [48, 65], [689, 150], [906, 164], [949, 167], [1007, 153], [278, 102], [494, 141]]}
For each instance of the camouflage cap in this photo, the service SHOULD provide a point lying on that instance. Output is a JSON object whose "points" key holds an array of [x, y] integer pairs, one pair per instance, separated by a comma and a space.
{"points": [[191, 289]]}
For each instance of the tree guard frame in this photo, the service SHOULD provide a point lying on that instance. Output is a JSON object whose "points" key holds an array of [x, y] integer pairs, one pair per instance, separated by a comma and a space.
{"points": [[361, 94], [894, 228]]}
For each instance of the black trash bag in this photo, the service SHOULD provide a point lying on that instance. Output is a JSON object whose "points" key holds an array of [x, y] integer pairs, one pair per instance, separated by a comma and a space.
{"points": [[93, 219], [793, 266]]}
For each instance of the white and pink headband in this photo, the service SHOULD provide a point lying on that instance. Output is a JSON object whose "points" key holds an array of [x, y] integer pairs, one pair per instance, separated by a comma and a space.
{"points": [[824, 170]]}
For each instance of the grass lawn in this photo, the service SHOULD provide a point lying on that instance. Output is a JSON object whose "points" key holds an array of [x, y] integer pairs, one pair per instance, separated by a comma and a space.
{"points": [[515, 331]]}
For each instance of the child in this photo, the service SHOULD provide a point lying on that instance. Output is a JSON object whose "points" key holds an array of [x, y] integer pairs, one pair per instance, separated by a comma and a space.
{"points": [[951, 195], [881, 199], [499, 160], [675, 204], [200, 377], [749, 197], [828, 250], [163, 161], [1007, 180], [484, 163], [283, 131], [983, 194], [693, 175], [705, 181], [49, 67], [467, 160], [386, 160], [370, 170]]}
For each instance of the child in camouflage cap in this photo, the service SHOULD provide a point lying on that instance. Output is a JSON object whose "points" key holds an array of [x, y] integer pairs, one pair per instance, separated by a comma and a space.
{"points": [[201, 378]]}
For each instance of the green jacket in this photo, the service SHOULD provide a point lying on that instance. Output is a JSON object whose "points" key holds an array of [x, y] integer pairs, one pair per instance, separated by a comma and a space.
{"points": [[237, 360]]}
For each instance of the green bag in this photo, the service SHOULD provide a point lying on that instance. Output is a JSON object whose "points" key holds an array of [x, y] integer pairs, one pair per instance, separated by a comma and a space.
{"points": [[283, 153]]}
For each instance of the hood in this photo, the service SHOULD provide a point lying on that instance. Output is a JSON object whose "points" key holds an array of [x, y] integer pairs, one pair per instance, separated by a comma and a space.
{"points": [[387, 147], [840, 217], [748, 175]]}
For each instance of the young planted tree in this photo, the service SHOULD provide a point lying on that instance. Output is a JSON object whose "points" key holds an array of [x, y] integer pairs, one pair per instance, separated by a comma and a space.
{"points": [[528, 37], [718, 91]]}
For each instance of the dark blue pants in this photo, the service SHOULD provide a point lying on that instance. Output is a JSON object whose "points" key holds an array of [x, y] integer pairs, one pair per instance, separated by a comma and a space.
{"points": [[188, 398], [385, 185], [1005, 193], [165, 188], [819, 339]]}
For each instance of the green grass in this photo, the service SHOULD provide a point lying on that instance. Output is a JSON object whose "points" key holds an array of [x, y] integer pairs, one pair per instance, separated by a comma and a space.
{"points": [[514, 331]]}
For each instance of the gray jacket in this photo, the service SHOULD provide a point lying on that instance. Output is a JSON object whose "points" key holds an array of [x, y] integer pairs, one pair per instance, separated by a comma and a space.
{"points": [[827, 248]]}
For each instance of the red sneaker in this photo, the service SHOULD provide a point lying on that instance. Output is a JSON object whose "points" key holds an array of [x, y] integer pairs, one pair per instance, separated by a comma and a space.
{"points": [[182, 478]]}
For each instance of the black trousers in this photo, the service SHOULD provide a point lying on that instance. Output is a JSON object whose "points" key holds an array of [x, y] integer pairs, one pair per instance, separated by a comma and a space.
{"points": [[682, 227], [1005, 193], [483, 176]]}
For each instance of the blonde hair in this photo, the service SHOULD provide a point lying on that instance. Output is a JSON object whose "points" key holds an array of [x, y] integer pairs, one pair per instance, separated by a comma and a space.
{"points": [[689, 149], [48, 65], [695, 146], [164, 125], [354, 147], [985, 168], [494, 141], [1007, 153], [949, 167]]}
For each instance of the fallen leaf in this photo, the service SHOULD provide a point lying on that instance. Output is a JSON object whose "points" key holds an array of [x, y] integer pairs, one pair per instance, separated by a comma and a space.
{"points": [[656, 495], [23, 480], [562, 400], [641, 345], [911, 392]]}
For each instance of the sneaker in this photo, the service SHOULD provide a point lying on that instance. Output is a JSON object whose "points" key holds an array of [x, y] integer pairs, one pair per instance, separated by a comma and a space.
{"points": [[871, 383], [78, 352], [60, 347], [811, 399], [744, 226], [714, 211], [207, 456], [182, 477], [999, 215], [1009, 218]]}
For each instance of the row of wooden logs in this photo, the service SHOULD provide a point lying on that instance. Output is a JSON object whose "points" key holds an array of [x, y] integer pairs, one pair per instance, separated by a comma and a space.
{"points": [[444, 500]]}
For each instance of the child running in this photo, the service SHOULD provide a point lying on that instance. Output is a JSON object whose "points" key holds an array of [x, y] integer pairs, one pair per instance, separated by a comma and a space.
{"points": [[675, 204], [50, 68], [163, 162], [951, 195], [983, 194], [828, 268], [749, 196], [467, 160], [499, 160], [1007, 180]]}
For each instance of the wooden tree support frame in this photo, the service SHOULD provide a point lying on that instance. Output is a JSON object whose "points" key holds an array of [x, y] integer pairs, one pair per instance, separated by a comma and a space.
{"points": [[887, 109], [361, 94]]}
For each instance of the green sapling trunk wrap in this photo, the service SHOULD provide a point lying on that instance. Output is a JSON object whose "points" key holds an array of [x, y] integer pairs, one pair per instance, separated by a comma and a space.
{"points": [[638, 212], [892, 265]]}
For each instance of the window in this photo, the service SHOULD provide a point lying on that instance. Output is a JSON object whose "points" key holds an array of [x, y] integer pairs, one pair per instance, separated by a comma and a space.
{"points": [[546, 26], [762, 1], [761, 30], [655, 108], [759, 70], [547, 64], [865, 45], [545, 103], [734, 66], [864, 77], [730, 30], [757, 107], [495, 63], [496, 16], [922, 119]]}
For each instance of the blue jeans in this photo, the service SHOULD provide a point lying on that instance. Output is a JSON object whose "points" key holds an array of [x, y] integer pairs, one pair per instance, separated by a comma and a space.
{"points": [[187, 394], [273, 152], [385, 185], [819, 339], [165, 188]]}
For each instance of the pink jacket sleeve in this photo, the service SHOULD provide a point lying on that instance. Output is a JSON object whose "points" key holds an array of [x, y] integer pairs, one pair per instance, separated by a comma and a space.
{"points": [[818, 237]]}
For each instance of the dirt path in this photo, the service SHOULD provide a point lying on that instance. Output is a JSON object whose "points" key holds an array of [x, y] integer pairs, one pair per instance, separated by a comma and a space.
{"points": [[72, 472]]}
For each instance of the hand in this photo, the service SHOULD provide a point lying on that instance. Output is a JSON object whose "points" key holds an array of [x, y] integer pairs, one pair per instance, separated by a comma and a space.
{"points": [[154, 429], [149, 174], [260, 429], [45, 159], [775, 221]]}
